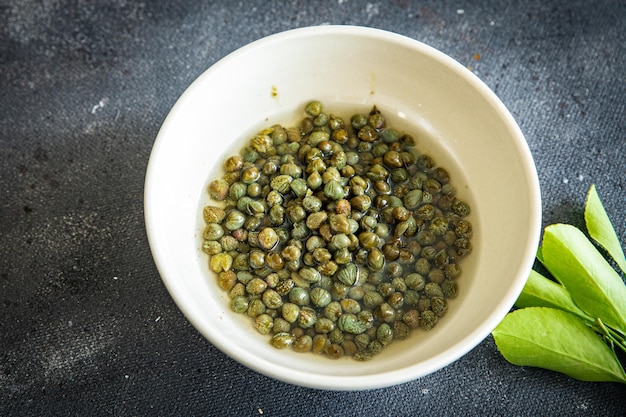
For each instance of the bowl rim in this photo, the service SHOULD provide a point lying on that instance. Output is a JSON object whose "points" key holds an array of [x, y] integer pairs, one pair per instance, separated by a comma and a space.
{"points": [[394, 377]]}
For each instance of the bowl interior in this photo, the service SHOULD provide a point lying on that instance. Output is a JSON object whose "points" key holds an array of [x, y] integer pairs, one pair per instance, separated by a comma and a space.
{"points": [[457, 120]]}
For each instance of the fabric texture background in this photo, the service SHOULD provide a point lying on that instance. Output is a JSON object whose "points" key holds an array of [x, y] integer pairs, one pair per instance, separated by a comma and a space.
{"points": [[86, 325]]}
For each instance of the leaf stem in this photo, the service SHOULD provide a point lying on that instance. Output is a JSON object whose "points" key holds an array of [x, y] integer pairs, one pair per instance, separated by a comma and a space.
{"points": [[613, 336]]}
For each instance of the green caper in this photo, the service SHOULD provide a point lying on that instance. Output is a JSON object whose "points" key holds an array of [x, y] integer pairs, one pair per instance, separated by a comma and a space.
{"points": [[396, 300], [350, 323], [303, 344], [415, 281], [350, 305], [282, 340], [213, 214], [268, 238], [291, 169], [349, 274], [386, 313], [411, 318], [439, 306], [239, 304], [361, 202], [272, 299], [299, 296], [281, 183], [321, 212], [384, 334], [290, 312], [307, 317], [428, 319], [320, 297], [333, 310], [375, 259], [264, 323], [320, 343], [256, 308], [213, 231], [220, 262], [372, 299], [310, 275], [315, 220], [358, 120], [218, 189], [256, 286], [312, 204], [211, 247], [433, 289], [313, 108]]}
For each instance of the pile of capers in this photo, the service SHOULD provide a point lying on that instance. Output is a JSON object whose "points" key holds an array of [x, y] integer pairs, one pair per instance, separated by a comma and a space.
{"points": [[336, 238]]}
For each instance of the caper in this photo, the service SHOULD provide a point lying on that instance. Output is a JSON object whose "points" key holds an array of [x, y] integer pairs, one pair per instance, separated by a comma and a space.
{"points": [[320, 343], [358, 120], [461, 208], [281, 183], [384, 334], [227, 280], [211, 247], [218, 189], [268, 238], [428, 319], [256, 286], [333, 310], [439, 306], [315, 220], [313, 108], [221, 262], [264, 323], [303, 344], [282, 340], [350, 323], [375, 259], [411, 318], [433, 289], [290, 312], [320, 297], [372, 299], [239, 303], [307, 317], [299, 296], [310, 275], [321, 212], [213, 231], [396, 300], [386, 313], [213, 214], [256, 308]]}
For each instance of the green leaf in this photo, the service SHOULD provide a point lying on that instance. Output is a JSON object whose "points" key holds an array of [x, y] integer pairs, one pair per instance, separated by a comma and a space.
{"points": [[591, 281], [540, 291], [553, 339], [540, 254], [600, 228]]}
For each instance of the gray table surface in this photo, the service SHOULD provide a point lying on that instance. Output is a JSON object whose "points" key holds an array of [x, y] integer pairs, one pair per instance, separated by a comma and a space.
{"points": [[86, 325]]}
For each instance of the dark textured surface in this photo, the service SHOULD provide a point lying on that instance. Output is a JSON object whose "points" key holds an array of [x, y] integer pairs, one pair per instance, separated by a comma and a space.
{"points": [[86, 325]]}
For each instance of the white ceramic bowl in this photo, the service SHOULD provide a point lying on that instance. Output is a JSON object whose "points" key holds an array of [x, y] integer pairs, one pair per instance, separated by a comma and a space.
{"points": [[458, 121]]}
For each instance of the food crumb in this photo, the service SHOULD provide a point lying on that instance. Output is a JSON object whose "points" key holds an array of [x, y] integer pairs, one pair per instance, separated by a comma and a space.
{"points": [[580, 177], [565, 180], [157, 319], [460, 11], [260, 411]]}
